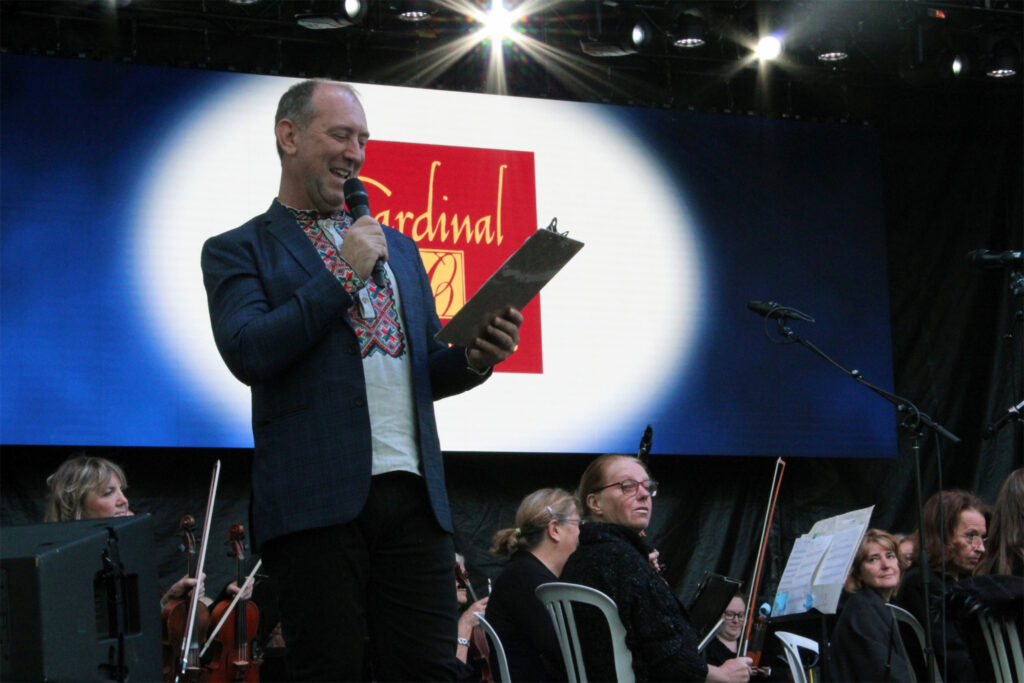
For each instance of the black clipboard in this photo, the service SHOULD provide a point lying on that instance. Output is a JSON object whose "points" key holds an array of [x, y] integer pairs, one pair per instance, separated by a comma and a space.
{"points": [[514, 284], [714, 594]]}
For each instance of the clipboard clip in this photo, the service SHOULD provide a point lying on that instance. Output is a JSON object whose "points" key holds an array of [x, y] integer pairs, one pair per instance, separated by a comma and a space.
{"points": [[553, 227]]}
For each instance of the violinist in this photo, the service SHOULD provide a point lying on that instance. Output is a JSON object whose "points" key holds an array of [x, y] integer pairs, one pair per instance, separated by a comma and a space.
{"points": [[467, 667], [725, 644], [618, 493], [546, 532], [89, 487]]}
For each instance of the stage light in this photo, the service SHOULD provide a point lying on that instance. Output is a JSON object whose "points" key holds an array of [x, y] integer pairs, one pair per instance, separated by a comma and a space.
{"points": [[768, 48], [414, 11], [689, 30], [631, 34], [498, 21], [833, 49], [331, 15], [1005, 61]]}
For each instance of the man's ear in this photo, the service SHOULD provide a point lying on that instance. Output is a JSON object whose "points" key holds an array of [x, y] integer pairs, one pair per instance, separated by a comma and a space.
{"points": [[285, 130], [594, 503]]}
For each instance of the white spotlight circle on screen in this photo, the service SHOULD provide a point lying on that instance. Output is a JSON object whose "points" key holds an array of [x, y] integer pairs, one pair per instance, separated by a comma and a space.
{"points": [[619, 321]]}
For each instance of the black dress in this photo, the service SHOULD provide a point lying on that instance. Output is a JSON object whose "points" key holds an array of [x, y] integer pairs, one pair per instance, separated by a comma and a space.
{"points": [[866, 643], [659, 634], [717, 652], [522, 622]]}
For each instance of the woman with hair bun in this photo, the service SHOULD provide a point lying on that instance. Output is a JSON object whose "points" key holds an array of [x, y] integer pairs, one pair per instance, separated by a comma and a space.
{"points": [[546, 532]]}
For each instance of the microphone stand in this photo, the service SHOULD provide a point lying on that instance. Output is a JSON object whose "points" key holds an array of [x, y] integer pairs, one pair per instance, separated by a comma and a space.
{"points": [[913, 422], [1014, 413]]}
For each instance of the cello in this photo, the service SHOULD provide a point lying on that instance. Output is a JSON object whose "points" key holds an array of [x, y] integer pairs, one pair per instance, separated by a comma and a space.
{"points": [[235, 647]]}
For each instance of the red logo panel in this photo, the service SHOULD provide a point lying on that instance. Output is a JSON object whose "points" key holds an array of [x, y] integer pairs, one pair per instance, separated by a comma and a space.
{"points": [[468, 210]]}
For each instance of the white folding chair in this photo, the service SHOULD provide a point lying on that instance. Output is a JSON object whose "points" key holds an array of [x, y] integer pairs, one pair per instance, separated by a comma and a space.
{"points": [[1004, 648], [558, 598], [905, 617], [791, 644], [497, 650]]}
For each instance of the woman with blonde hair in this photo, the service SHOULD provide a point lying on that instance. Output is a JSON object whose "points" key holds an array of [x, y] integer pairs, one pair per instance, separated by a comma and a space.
{"points": [[546, 531], [86, 487], [866, 643]]}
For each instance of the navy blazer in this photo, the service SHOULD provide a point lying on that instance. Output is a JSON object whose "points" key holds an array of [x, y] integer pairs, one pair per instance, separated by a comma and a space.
{"points": [[280, 320]]}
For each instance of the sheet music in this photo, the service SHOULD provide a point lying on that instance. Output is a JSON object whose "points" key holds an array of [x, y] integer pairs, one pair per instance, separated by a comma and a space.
{"points": [[819, 563]]}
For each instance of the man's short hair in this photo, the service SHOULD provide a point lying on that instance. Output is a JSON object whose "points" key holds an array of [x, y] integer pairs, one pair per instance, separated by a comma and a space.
{"points": [[296, 104]]}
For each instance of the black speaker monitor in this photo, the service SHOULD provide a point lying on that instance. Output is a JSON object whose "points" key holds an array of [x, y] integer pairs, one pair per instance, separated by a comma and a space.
{"points": [[80, 601]]}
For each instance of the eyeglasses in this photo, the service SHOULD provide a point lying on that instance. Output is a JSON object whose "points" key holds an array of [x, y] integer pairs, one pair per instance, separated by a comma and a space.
{"points": [[562, 519], [732, 616], [975, 539], [629, 487]]}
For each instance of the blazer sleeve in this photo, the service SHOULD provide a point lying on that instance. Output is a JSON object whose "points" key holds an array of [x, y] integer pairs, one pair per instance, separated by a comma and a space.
{"points": [[265, 318]]}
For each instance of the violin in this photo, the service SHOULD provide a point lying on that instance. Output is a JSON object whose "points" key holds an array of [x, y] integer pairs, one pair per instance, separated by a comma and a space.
{"points": [[234, 659], [175, 614], [479, 651]]}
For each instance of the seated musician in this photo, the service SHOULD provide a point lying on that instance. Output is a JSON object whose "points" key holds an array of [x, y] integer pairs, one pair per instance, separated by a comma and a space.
{"points": [[617, 493], [547, 527], [866, 643], [725, 644], [88, 487], [468, 664], [954, 534]]}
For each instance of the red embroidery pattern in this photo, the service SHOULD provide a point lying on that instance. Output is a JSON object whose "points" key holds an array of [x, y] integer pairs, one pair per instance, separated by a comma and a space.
{"points": [[383, 333]]}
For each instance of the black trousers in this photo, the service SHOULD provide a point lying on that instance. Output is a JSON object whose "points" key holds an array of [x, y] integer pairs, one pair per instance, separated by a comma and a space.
{"points": [[381, 587]]}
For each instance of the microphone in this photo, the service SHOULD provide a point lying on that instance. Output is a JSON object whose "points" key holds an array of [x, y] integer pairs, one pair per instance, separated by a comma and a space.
{"points": [[1011, 413], [358, 204], [983, 258], [770, 309]]}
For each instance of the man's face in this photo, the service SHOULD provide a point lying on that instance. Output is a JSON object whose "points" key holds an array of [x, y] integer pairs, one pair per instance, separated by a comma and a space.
{"points": [[330, 150]]}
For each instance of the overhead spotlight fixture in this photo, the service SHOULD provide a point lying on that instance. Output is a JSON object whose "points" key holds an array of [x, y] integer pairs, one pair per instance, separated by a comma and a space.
{"points": [[414, 10], [630, 36], [1005, 62], [243, 2], [331, 15], [689, 31], [833, 49], [768, 48]]}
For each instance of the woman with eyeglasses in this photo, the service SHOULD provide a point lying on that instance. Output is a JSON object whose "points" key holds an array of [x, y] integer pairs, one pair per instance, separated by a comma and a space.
{"points": [[954, 534], [546, 532], [726, 642], [866, 643], [613, 557]]}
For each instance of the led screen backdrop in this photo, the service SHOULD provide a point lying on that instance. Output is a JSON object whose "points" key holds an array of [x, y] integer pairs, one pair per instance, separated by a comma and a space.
{"points": [[114, 175]]}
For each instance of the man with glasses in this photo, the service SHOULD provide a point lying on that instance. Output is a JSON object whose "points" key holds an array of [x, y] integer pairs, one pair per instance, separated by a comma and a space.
{"points": [[618, 497]]}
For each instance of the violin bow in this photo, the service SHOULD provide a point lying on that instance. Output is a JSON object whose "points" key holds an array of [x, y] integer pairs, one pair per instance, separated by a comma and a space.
{"points": [[186, 642], [748, 621]]}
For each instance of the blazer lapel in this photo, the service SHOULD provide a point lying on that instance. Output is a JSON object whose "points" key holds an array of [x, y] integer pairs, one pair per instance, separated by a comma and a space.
{"points": [[285, 229]]}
